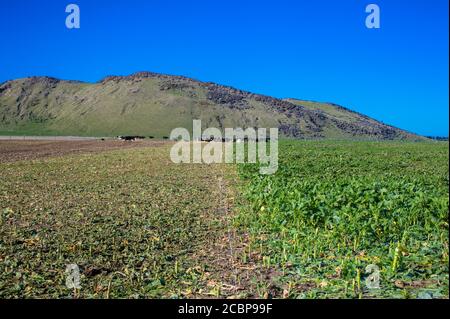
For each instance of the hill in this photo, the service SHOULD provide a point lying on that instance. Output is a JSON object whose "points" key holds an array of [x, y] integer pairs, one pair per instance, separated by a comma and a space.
{"points": [[152, 104]]}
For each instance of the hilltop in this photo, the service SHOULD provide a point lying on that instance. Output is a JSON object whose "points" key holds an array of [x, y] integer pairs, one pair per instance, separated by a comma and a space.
{"points": [[152, 104]]}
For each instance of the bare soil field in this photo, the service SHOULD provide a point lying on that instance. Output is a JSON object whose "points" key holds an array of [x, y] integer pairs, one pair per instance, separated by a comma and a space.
{"points": [[17, 150]]}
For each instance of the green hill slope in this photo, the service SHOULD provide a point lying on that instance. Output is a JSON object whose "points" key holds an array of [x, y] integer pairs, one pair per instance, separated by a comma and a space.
{"points": [[153, 104]]}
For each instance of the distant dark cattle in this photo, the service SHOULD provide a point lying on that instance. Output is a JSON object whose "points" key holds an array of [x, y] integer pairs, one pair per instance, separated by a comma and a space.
{"points": [[207, 139], [223, 140], [131, 138]]}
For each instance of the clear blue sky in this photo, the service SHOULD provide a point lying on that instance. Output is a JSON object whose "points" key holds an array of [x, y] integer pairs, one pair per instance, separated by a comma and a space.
{"points": [[317, 50]]}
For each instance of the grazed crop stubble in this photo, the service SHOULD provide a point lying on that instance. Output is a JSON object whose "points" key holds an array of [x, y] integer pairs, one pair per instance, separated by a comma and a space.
{"points": [[130, 219]]}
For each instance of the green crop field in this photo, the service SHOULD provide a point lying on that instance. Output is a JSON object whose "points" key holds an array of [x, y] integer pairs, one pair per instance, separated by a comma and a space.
{"points": [[140, 226], [335, 208]]}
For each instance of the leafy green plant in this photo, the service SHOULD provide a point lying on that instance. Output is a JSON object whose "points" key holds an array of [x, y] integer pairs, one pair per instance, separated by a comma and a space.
{"points": [[335, 207]]}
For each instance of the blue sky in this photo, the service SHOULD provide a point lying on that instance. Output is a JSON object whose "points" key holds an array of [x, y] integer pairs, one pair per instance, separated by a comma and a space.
{"points": [[317, 50]]}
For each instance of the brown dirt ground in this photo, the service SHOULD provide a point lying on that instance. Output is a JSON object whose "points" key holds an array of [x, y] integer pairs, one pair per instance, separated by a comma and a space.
{"points": [[228, 276], [17, 150]]}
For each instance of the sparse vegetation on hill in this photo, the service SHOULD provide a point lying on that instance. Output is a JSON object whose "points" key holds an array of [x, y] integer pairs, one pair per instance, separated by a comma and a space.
{"points": [[153, 104]]}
